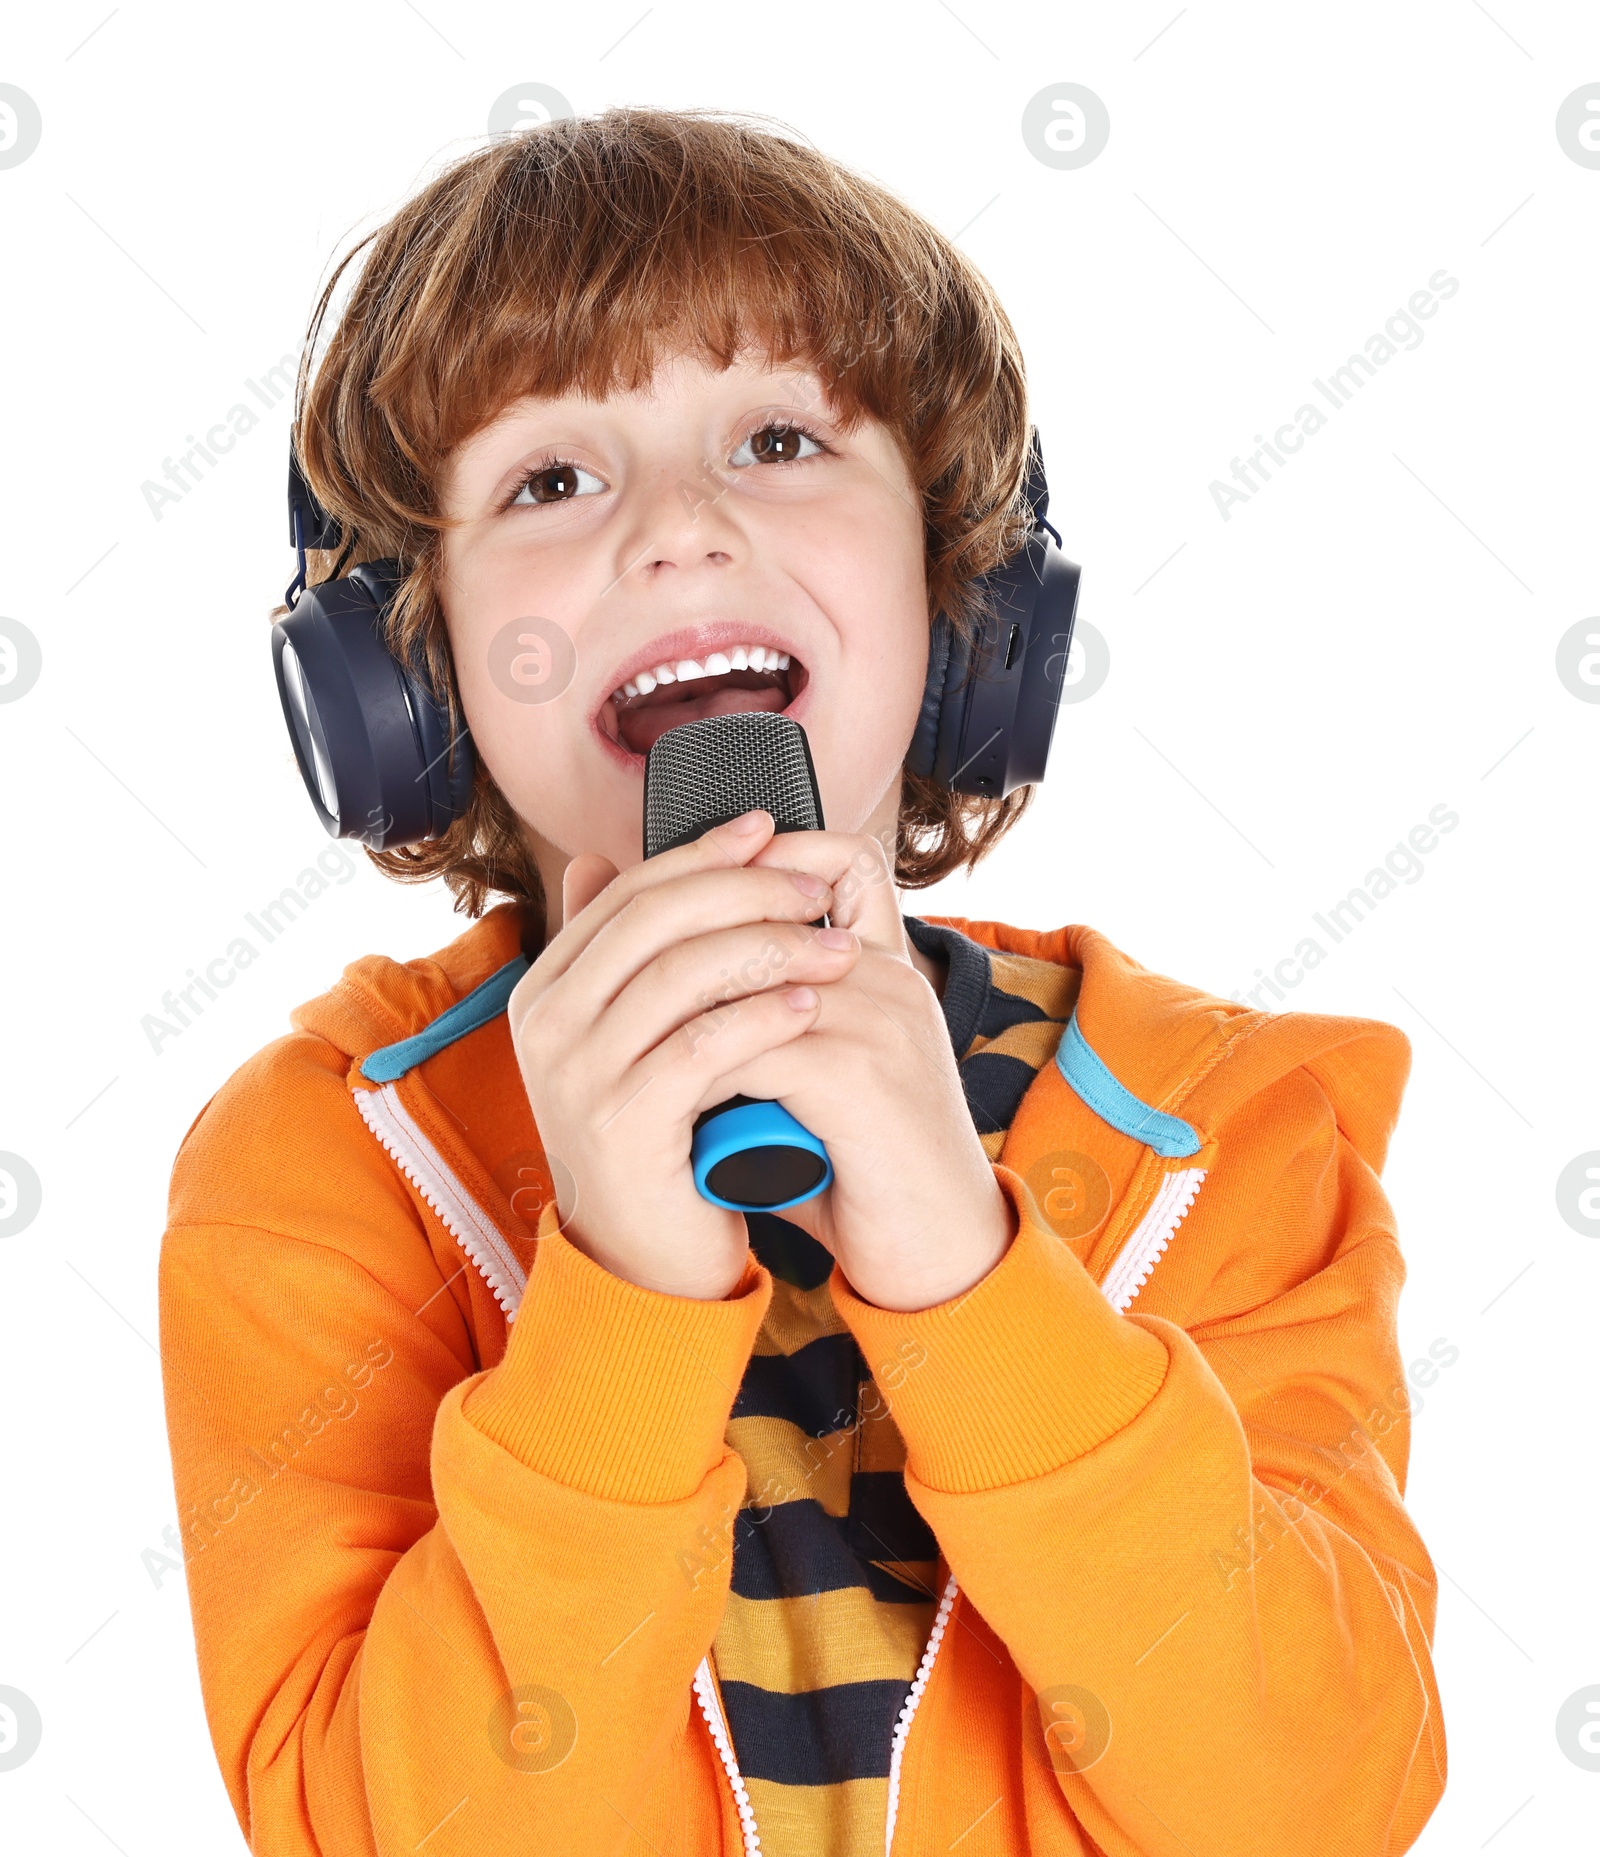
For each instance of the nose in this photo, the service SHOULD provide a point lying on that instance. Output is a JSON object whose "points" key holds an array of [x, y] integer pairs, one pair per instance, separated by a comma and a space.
{"points": [[685, 520]]}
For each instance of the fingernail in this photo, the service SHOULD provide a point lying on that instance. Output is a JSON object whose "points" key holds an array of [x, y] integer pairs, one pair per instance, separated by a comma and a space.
{"points": [[836, 938], [802, 998], [806, 884], [749, 823]]}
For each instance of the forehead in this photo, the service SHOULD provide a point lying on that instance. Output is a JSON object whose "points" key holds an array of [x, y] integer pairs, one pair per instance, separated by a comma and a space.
{"points": [[684, 380]]}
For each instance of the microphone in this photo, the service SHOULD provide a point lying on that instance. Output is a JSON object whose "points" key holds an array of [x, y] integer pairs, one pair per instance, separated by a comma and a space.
{"points": [[747, 1154]]}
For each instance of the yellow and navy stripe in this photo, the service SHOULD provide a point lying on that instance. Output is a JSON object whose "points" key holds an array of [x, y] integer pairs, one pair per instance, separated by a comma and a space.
{"points": [[1005, 1014], [836, 1575]]}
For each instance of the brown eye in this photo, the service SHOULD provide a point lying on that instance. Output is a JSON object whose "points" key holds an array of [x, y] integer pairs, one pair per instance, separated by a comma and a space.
{"points": [[776, 444], [780, 442], [558, 483]]}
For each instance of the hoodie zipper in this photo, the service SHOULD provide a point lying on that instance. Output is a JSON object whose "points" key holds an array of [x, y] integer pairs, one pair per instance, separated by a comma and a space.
{"points": [[902, 1727], [1130, 1269], [423, 1165], [1129, 1272], [427, 1170], [705, 1690]]}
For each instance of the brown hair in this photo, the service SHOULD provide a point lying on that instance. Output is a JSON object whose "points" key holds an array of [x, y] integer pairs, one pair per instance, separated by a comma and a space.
{"points": [[566, 258]]}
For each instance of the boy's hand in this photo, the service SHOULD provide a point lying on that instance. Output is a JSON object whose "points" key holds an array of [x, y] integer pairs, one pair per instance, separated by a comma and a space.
{"points": [[622, 1040], [668, 990], [913, 1215]]}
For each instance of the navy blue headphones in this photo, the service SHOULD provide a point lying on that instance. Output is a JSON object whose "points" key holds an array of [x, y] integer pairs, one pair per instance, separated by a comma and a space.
{"points": [[382, 764]]}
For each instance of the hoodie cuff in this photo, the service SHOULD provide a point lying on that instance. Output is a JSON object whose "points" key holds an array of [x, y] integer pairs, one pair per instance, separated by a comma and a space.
{"points": [[620, 1392], [1026, 1371]]}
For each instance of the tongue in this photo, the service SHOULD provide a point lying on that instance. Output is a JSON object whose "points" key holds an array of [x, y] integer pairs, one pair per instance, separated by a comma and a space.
{"points": [[640, 728]]}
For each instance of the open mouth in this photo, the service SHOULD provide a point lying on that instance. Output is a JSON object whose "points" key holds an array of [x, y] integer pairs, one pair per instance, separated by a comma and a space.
{"points": [[679, 690]]}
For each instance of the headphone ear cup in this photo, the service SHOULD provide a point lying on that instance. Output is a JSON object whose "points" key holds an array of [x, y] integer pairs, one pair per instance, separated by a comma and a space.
{"points": [[923, 752], [461, 766], [448, 759], [370, 735], [937, 740], [989, 703]]}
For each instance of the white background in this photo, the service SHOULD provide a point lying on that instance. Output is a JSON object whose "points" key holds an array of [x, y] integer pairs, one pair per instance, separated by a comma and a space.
{"points": [[1292, 689]]}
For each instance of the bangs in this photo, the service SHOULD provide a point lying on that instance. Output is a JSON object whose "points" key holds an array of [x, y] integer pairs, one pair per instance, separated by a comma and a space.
{"points": [[562, 281], [577, 256]]}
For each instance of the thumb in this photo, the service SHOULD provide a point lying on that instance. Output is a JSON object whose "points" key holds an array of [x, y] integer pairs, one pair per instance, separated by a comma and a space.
{"points": [[582, 881]]}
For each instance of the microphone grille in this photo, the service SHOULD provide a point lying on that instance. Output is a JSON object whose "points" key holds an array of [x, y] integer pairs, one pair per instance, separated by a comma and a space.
{"points": [[704, 773]]}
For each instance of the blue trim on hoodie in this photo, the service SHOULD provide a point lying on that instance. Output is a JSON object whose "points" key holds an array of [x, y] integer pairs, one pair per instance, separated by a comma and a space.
{"points": [[482, 1004], [1084, 1071]]}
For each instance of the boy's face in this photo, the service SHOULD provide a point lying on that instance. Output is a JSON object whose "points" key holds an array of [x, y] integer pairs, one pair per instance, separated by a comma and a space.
{"points": [[711, 511]]}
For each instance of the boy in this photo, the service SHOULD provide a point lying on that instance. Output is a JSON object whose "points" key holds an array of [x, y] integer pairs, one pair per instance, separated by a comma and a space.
{"points": [[1038, 1487]]}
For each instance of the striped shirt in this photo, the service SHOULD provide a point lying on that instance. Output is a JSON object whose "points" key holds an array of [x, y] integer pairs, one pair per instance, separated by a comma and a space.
{"points": [[836, 1576]]}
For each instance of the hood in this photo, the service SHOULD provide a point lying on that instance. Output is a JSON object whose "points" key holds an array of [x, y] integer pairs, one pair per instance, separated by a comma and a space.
{"points": [[378, 1001], [1177, 1048]]}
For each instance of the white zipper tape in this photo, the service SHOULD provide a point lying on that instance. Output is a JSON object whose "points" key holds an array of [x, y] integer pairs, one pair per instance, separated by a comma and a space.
{"points": [[1131, 1268], [423, 1165], [1129, 1273]]}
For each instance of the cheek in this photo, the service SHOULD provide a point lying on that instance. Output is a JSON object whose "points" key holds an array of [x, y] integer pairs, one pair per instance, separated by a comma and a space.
{"points": [[515, 667], [875, 593]]}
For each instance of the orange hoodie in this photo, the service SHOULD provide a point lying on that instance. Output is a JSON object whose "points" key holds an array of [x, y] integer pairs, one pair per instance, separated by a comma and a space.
{"points": [[440, 1475]]}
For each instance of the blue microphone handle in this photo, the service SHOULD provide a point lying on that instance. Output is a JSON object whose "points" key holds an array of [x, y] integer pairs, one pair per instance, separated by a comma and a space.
{"points": [[751, 1155], [751, 1148]]}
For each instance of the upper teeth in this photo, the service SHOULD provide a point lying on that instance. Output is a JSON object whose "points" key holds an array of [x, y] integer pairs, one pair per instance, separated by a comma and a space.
{"points": [[736, 658]]}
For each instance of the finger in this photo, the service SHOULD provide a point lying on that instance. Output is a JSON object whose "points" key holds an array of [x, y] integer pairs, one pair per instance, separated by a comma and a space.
{"points": [[874, 1021], [724, 847], [685, 1071], [857, 870], [709, 972], [582, 881], [659, 921]]}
